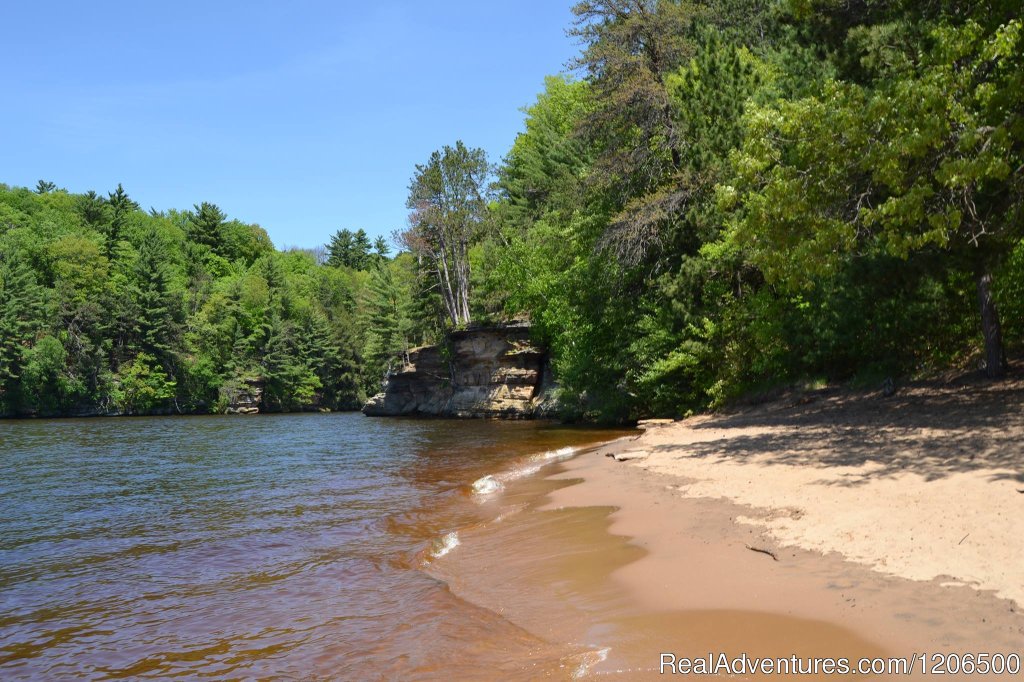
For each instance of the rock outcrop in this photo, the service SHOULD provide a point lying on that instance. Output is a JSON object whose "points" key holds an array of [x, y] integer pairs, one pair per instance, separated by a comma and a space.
{"points": [[242, 396], [482, 372]]}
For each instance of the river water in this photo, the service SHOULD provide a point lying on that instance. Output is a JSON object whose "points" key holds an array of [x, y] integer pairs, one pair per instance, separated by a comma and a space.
{"points": [[292, 546]]}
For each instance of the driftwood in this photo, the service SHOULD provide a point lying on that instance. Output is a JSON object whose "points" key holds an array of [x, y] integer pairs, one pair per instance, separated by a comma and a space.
{"points": [[762, 551]]}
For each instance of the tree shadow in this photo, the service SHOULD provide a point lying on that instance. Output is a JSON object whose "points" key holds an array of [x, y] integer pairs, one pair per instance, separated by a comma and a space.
{"points": [[931, 429]]}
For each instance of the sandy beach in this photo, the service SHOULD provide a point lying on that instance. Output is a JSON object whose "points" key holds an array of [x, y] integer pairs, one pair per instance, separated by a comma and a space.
{"points": [[926, 485], [821, 524], [901, 519]]}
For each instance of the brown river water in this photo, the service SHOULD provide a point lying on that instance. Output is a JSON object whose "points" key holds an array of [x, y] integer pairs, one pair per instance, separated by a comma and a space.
{"points": [[293, 546], [326, 547]]}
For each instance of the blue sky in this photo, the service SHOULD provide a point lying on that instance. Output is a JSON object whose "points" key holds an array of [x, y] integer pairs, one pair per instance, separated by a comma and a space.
{"points": [[304, 117]]}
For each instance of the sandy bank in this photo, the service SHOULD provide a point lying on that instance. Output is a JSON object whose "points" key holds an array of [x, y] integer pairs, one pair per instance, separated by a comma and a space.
{"points": [[848, 495], [925, 485]]}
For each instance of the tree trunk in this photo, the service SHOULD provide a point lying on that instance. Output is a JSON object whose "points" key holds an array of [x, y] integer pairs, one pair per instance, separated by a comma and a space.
{"points": [[464, 280], [444, 276], [995, 357]]}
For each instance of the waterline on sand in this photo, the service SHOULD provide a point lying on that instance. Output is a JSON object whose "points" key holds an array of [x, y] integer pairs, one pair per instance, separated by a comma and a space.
{"points": [[494, 483], [445, 544]]}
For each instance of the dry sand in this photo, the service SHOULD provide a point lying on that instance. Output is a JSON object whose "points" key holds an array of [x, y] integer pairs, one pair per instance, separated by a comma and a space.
{"points": [[925, 485], [888, 527], [698, 587]]}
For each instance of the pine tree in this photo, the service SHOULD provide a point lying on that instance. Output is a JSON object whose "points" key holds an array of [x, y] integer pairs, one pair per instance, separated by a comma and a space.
{"points": [[289, 382], [339, 250], [349, 249], [93, 209], [22, 318], [121, 206], [206, 226], [629, 49], [387, 325], [158, 324], [360, 250], [331, 361]]}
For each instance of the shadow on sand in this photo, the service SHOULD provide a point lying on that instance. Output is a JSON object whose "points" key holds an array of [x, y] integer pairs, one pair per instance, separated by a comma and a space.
{"points": [[931, 429]]}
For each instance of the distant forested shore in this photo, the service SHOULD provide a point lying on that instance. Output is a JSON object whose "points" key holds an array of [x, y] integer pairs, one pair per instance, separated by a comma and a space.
{"points": [[109, 309], [720, 197]]}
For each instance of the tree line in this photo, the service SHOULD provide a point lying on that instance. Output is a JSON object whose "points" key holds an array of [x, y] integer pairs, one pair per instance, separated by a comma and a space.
{"points": [[718, 198], [727, 196], [106, 308]]}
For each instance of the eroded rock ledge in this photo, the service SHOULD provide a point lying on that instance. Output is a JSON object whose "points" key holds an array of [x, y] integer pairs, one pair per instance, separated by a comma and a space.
{"points": [[493, 372]]}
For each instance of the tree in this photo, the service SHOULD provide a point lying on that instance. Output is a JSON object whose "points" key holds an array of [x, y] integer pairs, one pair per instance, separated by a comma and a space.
{"points": [[629, 49], [446, 197], [630, 46], [22, 314], [387, 323], [361, 250], [158, 326], [924, 158], [121, 206], [546, 167], [45, 385], [44, 187], [143, 386], [93, 209], [206, 226], [244, 242], [339, 250], [349, 249], [333, 359], [290, 382]]}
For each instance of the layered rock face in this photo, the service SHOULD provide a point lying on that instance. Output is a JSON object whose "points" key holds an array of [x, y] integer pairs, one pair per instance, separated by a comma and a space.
{"points": [[492, 372], [243, 397]]}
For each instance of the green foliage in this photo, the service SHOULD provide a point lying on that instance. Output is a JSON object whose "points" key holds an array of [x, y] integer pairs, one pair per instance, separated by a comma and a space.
{"points": [[728, 196], [739, 195], [46, 386], [351, 249], [448, 204], [547, 164], [290, 381], [157, 329], [206, 226], [121, 208], [22, 319], [105, 308], [388, 323], [143, 386], [1010, 294]]}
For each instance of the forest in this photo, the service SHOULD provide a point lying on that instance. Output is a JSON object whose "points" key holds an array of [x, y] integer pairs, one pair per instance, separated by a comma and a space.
{"points": [[716, 198]]}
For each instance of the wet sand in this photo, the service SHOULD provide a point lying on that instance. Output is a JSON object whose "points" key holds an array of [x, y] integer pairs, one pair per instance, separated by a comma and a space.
{"points": [[697, 562], [926, 485], [628, 560]]}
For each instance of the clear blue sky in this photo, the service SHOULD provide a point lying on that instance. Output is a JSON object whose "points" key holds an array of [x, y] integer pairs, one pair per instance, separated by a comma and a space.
{"points": [[302, 116]]}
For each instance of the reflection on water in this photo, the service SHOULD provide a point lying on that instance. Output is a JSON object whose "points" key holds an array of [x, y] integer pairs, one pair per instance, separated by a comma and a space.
{"points": [[288, 546]]}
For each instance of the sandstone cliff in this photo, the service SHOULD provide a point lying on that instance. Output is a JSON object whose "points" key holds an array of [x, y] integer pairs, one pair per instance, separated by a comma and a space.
{"points": [[483, 372]]}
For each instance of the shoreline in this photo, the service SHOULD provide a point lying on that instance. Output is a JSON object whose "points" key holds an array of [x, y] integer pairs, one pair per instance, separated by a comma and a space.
{"points": [[873, 512], [927, 486], [659, 553], [697, 561]]}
